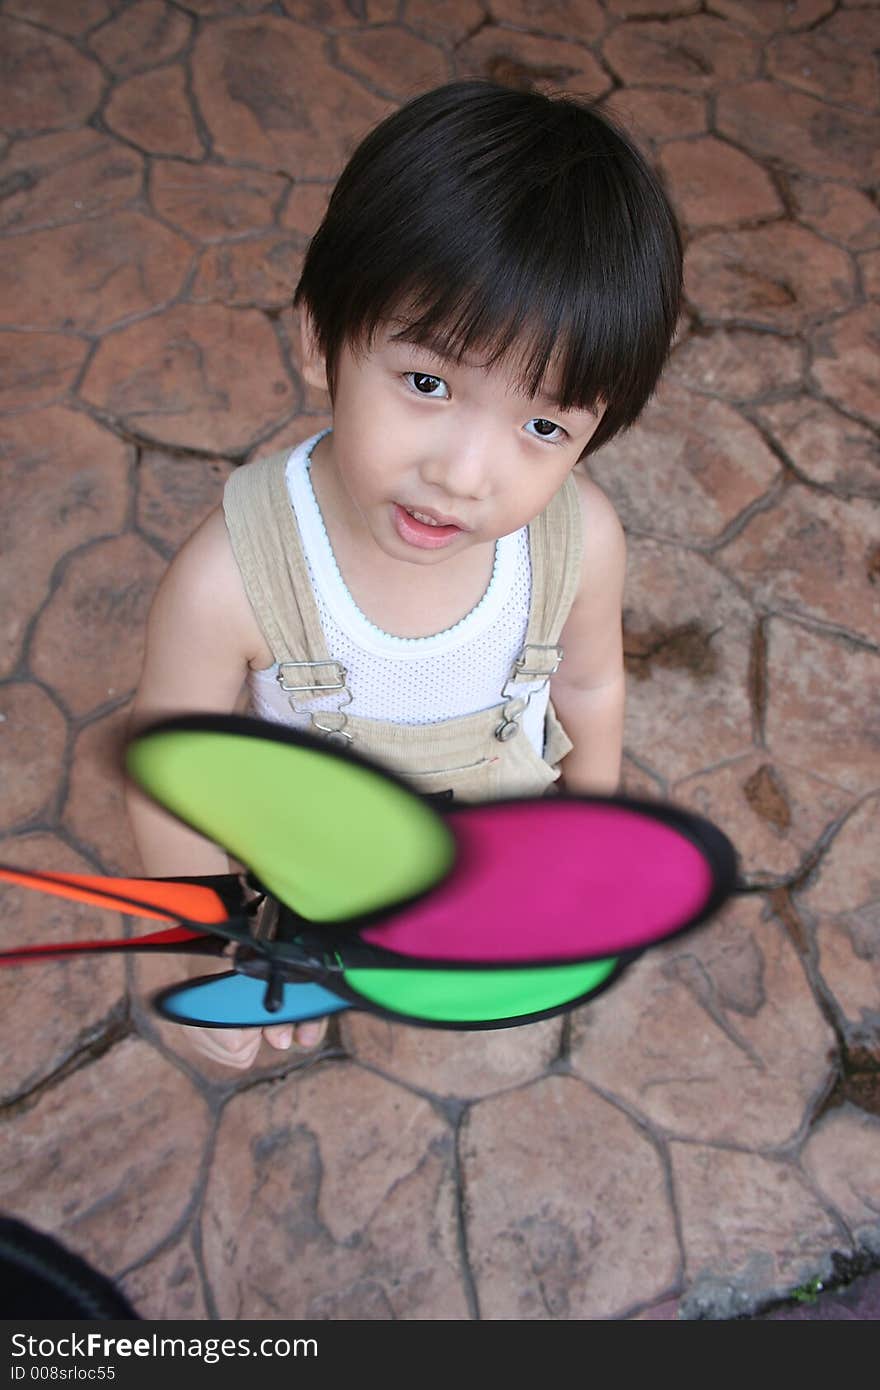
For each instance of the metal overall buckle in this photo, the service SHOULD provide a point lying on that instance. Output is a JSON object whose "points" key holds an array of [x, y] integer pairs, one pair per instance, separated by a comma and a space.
{"points": [[335, 721], [523, 670]]}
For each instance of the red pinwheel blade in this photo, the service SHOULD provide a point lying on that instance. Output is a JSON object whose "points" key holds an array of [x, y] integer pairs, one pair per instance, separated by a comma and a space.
{"points": [[166, 900]]}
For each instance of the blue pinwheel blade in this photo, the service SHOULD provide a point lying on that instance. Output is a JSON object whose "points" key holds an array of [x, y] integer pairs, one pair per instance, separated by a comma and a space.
{"points": [[236, 1001]]}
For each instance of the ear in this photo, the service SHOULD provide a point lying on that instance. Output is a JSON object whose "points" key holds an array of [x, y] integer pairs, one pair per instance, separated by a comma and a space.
{"points": [[313, 367]]}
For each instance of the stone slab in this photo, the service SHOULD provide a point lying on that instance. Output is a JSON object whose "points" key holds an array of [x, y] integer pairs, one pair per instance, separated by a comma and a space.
{"points": [[697, 1039], [199, 377], [109, 1159], [565, 1196], [451, 1064], [316, 1208], [752, 1230], [52, 1013]]}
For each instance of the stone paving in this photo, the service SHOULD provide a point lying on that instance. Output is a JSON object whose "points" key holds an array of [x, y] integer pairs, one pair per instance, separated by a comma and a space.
{"points": [[704, 1140]]}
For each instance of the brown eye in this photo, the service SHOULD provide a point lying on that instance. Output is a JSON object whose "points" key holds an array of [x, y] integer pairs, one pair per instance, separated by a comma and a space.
{"points": [[546, 429], [427, 385]]}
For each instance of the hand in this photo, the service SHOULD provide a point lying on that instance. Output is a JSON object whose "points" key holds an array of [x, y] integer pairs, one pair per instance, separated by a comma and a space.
{"points": [[238, 1047]]}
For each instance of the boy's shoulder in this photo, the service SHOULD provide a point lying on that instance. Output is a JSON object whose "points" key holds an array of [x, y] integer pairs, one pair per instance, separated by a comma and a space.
{"points": [[603, 535], [204, 562], [203, 591]]}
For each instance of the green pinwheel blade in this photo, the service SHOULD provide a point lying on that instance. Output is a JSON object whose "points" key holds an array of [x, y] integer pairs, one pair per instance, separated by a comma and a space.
{"points": [[326, 833], [463, 998]]}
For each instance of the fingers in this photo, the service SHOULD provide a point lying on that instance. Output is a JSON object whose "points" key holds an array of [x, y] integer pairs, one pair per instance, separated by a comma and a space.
{"points": [[311, 1033], [238, 1047], [233, 1047], [306, 1034]]}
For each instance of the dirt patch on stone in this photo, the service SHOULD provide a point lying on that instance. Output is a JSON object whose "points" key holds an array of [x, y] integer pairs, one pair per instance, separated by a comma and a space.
{"points": [[766, 795], [684, 648]]}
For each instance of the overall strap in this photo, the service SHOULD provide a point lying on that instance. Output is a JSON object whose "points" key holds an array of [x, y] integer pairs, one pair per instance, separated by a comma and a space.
{"points": [[556, 552], [556, 549], [268, 551]]}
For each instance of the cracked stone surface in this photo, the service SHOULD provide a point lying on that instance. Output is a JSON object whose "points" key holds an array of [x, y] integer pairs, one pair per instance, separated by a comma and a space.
{"points": [[825, 446], [393, 61], [454, 1065], [842, 213], [175, 495], [814, 63], [101, 607], [727, 1198], [154, 111], [692, 468], [658, 115], [712, 1013], [514, 57], [149, 33], [703, 1138], [256, 274], [536, 1257], [811, 556], [687, 638], [94, 811], [213, 203], [775, 813], [34, 729], [841, 1157], [287, 1226], [48, 279], [815, 698], [738, 365], [845, 355], [170, 1284], [799, 132], [692, 53], [46, 82], [270, 97], [714, 183], [777, 276], [771, 16], [108, 1161], [67, 1003], [64, 482], [197, 377], [841, 906], [53, 179], [38, 368]]}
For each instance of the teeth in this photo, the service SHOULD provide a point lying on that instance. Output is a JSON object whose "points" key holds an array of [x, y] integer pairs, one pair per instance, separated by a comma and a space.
{"points": [[420, 516]]}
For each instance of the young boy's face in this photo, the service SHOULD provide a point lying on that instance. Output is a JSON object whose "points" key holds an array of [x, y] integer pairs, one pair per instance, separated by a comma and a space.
{"points": [[429, 456]]}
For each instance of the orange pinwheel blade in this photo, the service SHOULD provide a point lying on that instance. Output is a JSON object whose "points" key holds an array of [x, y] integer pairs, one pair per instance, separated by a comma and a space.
{"points": [[167, 900]]}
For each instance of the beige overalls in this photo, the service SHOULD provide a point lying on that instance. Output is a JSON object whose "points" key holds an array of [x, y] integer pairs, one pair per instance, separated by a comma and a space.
{"points": [[477, 756]]}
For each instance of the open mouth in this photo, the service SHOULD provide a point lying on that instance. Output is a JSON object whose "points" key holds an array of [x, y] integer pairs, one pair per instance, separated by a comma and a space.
{"points": [[422, 530]]}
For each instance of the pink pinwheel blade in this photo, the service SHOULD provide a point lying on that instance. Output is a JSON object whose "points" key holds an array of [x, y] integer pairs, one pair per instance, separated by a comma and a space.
{"points": [[555, 880]]}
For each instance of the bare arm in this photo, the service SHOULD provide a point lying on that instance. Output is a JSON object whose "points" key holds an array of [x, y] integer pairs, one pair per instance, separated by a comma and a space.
{"points": [[201, 637], [588, 689]]}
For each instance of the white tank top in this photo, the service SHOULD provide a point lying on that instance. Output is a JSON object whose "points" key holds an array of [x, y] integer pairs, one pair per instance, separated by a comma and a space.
{"points": [[407, 680]]}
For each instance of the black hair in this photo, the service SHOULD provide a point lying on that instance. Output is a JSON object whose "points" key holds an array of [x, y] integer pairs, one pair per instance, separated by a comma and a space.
{"points": [[513, 224]]}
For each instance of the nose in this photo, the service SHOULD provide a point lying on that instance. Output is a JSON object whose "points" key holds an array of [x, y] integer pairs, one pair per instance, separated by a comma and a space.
{"points": [[462, 466]]}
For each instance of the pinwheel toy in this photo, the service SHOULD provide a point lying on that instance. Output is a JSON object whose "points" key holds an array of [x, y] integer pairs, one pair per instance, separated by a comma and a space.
{"points": [[361, 893]]}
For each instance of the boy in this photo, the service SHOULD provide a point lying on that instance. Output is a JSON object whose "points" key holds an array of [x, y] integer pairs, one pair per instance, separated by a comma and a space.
{"points": [[491, 296]]}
